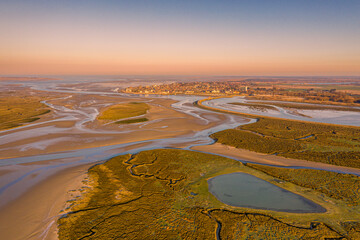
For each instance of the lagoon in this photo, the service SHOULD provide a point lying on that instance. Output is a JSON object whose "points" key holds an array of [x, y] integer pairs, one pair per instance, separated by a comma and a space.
{"points": [[245, 190]]}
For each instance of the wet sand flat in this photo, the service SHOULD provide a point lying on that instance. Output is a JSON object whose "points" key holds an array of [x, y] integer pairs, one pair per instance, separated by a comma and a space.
{"points": [[57, 136], [73, 125], [36, 211], [39, 188]]}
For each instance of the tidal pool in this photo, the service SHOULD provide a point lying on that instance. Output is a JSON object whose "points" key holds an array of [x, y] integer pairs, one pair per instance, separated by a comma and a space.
{"points": [[245, 190]]}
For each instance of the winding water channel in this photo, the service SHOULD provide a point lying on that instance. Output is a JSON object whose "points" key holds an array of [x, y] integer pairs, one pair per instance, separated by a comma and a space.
{"points": [[350, 118], [29, 170], [88, 114]]}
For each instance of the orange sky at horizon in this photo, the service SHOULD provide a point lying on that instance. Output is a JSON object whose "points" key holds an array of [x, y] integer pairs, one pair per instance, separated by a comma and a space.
{"points": [[112, 66], [187, 38]]}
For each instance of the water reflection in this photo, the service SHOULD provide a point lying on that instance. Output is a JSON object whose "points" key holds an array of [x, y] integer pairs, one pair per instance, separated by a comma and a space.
{"points": [[245, 190]]}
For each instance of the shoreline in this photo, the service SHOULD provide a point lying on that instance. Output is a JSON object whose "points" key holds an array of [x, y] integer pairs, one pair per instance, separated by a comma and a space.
{"points": [[256, 97], [48, 198], [56, 189], [37, 210], [250, 115], [40, 195], [272, 160]]}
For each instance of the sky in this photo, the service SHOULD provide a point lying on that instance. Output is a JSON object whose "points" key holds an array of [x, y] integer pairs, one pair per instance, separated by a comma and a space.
{"points": [[180, 37]]}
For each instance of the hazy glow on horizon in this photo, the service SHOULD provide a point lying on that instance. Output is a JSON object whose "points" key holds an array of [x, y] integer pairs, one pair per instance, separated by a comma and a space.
{"points": [[180, 37]]}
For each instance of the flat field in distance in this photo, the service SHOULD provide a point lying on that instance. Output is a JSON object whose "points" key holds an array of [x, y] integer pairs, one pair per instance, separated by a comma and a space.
{"points": [[332, 144], [126, 110], [348, 88], [163, 194], [15, 111]]}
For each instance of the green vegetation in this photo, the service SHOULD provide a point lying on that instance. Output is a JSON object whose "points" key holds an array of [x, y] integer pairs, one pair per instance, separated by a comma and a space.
{"points": [[15, 111], [348, 87], [256, 226], [134, 120], [163, 194], [352, 228], [255, 142], [335, 185], [140, 198], [332, 144], [125, 110]]}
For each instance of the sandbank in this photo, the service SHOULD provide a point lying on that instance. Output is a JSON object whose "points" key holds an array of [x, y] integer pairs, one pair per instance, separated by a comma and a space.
{"points": [[37, 210], [254, 157]]}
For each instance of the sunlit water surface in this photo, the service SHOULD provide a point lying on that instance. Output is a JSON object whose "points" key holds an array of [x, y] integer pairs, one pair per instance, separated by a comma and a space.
{"points": [[245, 190]]}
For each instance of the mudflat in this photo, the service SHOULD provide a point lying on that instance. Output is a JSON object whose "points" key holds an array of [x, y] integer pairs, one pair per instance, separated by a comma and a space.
{"points": [[36, 211]]}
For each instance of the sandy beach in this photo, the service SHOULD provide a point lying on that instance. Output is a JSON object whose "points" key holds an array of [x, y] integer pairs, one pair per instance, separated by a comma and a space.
{"points": [[36, 211]]}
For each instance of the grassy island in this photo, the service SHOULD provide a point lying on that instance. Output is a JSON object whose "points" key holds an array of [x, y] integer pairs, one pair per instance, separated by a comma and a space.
{"points": [[126, 110], [163, 194]]}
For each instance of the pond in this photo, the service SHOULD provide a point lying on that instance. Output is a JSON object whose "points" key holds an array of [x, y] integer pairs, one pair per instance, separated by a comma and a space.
{"points": [[245, 190]]}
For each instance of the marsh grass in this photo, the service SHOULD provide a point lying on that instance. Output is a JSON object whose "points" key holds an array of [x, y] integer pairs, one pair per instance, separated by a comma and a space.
{"points": [[335, 185], [163, 194], [15, 111], [332, 144], [134, 120], [125, 110]]}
